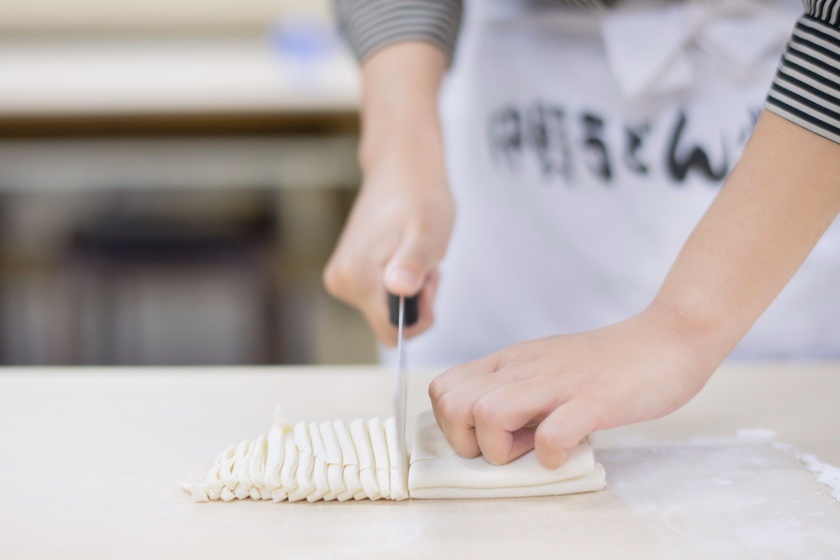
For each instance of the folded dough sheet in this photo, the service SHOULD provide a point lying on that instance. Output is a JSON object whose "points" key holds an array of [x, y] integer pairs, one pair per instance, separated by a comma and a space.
{"points": [[437, 472], [334, 461]]}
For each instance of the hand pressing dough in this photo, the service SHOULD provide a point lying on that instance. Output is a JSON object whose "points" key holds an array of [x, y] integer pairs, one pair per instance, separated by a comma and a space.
{"points": [[333, 461], [437, 472]]}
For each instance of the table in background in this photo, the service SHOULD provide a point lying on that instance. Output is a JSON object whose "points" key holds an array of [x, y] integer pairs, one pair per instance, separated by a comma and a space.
{"points": [[87, 113], [114, 117], [91, 457]]}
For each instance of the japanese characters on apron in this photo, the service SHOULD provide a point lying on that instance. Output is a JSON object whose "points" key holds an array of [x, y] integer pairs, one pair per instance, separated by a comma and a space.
{"points": [[583, 147]]}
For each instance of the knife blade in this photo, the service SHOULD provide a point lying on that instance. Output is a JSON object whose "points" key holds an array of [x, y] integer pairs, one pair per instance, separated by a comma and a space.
{"points": [[403, 312]]}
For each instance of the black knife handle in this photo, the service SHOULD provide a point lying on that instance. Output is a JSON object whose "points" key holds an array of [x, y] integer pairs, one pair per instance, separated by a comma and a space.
{"points": [[412, 310]]}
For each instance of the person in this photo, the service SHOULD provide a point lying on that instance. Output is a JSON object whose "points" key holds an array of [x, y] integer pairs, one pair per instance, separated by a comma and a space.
{"points": [[585, 143]]}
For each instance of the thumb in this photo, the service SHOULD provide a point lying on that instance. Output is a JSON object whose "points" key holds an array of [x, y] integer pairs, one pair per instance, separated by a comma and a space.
{"points": [[408, 268], [563, 429]]}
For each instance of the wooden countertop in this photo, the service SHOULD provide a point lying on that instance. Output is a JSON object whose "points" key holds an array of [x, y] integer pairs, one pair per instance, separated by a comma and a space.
{"points": [[90, 459]]}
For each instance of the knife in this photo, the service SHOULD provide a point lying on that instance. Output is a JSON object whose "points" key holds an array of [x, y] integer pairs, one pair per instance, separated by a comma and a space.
{"points": [[403, 312]]}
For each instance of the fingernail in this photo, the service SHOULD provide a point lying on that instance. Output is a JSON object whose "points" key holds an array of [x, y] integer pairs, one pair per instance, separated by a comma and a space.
{"points": [[401, 278]]}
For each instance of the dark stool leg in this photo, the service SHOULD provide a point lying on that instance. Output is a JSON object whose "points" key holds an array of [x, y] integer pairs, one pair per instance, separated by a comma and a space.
{"points": [[107, 316], [272, 351]]}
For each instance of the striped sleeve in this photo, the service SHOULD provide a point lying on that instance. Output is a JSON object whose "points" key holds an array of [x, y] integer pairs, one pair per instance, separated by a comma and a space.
{"points": [[806, 89], [369, 25]]}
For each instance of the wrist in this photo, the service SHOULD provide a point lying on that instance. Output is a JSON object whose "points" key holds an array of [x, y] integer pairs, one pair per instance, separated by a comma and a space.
{"points": [[703, 334], [399, 103], [396, 135]]}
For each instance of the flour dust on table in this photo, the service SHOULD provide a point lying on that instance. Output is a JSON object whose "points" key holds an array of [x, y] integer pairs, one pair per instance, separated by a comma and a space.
{"points": [[339, 461]]}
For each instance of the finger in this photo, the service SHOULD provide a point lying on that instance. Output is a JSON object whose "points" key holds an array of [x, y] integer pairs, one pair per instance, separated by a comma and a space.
{"points": [[454, 412], [454, 377], [463, 373], [502, 418], [377, 313], [409, 267], [346, 288], [563, 429], [353, 278]]}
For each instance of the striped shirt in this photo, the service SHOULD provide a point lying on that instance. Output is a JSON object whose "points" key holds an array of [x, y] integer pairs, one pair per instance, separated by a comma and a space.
{"points": [[806, 89]]}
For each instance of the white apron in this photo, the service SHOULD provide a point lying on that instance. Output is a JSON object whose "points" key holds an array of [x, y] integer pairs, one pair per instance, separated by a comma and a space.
{"points": [[582, 148]]}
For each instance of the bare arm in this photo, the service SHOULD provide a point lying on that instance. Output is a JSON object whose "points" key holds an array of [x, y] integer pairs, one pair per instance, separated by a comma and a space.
{"points": [[399, 102], [776, 204], [400, 225], [774, 207]]}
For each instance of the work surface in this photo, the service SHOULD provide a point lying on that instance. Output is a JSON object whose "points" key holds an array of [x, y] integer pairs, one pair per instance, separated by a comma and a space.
{"points": [[90, 460]]}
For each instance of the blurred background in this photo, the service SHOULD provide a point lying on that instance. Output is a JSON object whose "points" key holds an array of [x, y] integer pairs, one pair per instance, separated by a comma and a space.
{"points": [[173, 176]]}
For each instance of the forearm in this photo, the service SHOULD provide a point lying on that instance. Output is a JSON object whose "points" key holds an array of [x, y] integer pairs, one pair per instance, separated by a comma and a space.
{"points": [[399, 103], [774, 207], [399, 227]]}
